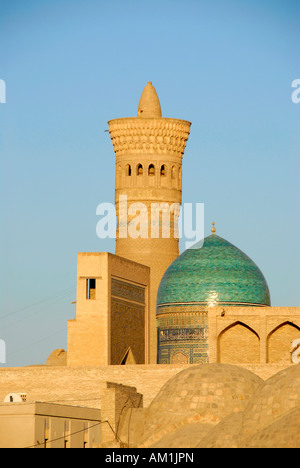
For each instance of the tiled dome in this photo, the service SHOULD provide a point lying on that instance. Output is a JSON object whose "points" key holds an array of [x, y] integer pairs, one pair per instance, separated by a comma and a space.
{"points": [[215, 273]]}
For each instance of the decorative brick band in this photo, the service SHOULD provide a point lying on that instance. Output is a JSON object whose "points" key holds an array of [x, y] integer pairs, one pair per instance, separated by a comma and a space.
{"points": [[140, 136], [127, 291]]}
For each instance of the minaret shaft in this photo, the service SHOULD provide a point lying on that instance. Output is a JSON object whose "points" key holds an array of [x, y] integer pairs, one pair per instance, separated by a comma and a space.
{"points": [[148, 181]]}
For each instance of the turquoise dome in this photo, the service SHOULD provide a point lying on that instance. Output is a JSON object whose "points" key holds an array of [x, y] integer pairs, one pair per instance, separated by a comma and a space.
{"points": [[215, 273]]}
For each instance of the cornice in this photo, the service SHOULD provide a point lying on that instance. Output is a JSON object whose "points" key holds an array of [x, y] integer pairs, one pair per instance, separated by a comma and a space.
{"points": [[156, 135]]}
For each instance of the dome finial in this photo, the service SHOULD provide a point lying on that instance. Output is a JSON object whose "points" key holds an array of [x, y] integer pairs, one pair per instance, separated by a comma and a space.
{"points": [[213, 229]]}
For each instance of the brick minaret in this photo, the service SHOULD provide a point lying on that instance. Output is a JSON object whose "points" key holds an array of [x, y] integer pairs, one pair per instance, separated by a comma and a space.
{"points": [[149, 151]]}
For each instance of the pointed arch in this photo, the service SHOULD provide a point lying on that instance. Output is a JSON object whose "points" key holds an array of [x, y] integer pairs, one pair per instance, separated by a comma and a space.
{"points": [[238, 343], [139, 170], [163, 170], [151, 170], [180, 357], [279, 342], [128, 170]]}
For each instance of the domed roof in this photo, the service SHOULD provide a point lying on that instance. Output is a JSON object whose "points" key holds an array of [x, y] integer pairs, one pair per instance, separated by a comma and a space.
{"points": [[205, 394], [213, 273], [277, 397], [235, 385], [283, 433], [223, 406]]}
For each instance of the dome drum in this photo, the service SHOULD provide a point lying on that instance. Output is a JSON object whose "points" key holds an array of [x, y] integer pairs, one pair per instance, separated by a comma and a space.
{"points": [[183, 336]]}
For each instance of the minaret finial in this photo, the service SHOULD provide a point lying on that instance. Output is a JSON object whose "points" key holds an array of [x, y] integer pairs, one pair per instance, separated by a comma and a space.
{"points": [[213, 229], [149, 105]]}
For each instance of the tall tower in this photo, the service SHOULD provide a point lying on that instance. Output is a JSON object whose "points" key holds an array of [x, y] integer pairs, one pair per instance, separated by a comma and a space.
{"points": [[148, 180]]}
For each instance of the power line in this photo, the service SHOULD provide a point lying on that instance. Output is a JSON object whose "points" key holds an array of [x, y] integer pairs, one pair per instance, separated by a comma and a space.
{"points": [[55, 298], [86, 428], [35, 303], [36, 311], [64, 437], [77, 432], [35, 342], [67, 400]]}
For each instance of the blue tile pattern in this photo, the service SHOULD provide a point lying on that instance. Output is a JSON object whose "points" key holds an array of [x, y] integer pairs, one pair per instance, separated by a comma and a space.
{"points": [[189, 343], [218, 273]]}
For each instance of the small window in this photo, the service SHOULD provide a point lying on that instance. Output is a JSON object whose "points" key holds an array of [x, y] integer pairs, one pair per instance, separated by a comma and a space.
{"points": [[151, 170], [139, 170], [173, 172], [163, 170], [91, 288], [128, 170]]}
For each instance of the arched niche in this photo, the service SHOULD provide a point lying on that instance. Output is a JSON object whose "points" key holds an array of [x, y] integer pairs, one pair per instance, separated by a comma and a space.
{"points": [[139, 170], [163, 170], [279, 342], [128, 170], [238, 344]]}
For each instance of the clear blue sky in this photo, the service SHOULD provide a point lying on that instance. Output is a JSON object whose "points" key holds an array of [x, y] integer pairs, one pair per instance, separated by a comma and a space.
{"points": [[69, 67]]}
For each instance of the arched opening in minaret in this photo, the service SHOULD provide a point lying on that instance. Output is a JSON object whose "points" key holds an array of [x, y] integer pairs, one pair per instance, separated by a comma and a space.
{"points": [[139, 169], [173, 173], [163, 170], [128, 170], [151, 170]]}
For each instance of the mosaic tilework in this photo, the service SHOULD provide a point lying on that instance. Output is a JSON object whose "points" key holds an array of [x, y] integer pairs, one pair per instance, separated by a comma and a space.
{"points": [[182, 337], [217, 273]]}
